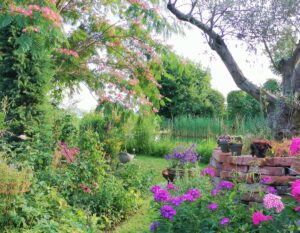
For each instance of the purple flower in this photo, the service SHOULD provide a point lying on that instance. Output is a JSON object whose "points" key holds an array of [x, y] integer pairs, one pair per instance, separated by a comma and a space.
{"points": [[187, 197], [214, 192], [298, 222], [266, 179], [225, 221], [161, 195], [182, 158], [195, 193], [154, 226], [295, 147], [171, 186], [155, 188], [176, 201], [225, 184], [167, 211], [213, 206], [208, 171], [272, 190]]}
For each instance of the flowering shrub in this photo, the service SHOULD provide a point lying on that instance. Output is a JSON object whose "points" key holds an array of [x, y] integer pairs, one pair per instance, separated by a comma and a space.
{"points": [[219, 208], [182, 158]]}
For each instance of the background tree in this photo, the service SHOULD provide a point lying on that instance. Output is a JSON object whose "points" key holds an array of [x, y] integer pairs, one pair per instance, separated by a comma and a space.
{"points": [[267, 23], [186, 88], [241, 104]]}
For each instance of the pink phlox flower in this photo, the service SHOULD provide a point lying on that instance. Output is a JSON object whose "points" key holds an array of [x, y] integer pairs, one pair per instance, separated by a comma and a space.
{"points": [[171, 186], [208, 171], [168, 212], [187, 197], [273, 201], [161, 195], [155, 188], [176, 201], [295, 190], [224, 221], [213, 206], [225, 185], [259, 217], [266, 179], [195, 193], [297, 208], [295, 147]]}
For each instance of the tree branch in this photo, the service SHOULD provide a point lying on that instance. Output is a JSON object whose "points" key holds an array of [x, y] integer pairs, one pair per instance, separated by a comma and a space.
{"points": [[218, 44], [269, 53]]}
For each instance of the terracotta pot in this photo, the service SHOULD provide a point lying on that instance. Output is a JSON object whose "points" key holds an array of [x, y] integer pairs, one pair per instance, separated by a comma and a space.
{"points": [[170, 173]]}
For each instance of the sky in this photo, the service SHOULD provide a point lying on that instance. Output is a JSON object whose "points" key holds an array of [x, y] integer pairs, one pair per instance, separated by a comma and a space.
{"points": [[193, 46]]}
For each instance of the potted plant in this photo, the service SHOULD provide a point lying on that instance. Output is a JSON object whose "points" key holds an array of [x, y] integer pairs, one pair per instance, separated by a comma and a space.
{"points": [[260, 147], [236, 145], [223, 143], [178, 160]]}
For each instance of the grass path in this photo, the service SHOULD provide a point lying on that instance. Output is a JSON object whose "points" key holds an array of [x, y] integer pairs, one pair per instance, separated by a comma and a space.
{"points": [[141, 220]]}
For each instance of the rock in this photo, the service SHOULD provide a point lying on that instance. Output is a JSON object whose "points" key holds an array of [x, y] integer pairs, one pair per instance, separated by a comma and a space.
{"points": [[125, 157]]}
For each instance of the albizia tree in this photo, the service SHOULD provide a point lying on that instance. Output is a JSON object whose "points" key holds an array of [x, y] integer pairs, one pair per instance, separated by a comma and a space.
{"points": [[270, 23]]}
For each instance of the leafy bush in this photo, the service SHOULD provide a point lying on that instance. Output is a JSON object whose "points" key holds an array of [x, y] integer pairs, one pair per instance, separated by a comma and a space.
{"points": [[162, 147], [205, 149]]}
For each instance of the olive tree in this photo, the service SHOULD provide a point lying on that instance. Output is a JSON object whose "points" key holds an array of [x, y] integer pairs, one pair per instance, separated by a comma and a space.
{"points": [[272, 24]]}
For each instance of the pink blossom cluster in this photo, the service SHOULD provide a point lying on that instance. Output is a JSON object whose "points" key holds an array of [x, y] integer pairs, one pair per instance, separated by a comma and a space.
{"points": [[140, 3], [46, 12], [273, 201], [259, 217], [295, 190], [67, 52], [69, 154], [171, 186], [31, 29], [295, 147]]}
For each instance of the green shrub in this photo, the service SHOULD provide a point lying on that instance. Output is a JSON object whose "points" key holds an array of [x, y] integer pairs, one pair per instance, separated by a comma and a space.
{"points": [[205, 149], [162, 147]]}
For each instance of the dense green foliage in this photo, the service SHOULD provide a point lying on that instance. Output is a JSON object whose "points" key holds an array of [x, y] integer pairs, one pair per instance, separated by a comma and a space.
{"points": [[241, 104], [186, 87]]}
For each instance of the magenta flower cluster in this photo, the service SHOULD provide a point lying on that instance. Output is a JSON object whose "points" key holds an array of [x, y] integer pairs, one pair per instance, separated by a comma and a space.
{"points": [[154, 226], [171, 186], [168, 211], [213, 206], [225, 185], [224, 221], [259, 217], [295, 190], [266, 180], [295, 147], [208, 172]]}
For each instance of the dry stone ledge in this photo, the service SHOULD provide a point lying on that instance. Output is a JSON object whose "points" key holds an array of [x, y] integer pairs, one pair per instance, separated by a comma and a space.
{"points": [[245, 168]]}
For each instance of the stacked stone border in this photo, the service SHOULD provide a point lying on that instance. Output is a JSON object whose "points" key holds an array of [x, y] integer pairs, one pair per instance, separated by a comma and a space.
{"points": [[251, 170]]}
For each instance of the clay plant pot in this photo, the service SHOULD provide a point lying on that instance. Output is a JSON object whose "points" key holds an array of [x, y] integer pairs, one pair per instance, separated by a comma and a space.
{"points": [[224, 145], [170, 174], [260, 148], [236, 149]]}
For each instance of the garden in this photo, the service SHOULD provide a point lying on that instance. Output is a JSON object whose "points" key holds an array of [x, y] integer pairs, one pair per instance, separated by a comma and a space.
{"points": [[163, 151]]}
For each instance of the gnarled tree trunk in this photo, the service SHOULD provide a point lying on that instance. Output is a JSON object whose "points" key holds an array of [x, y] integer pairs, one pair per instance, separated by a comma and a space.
{"points": [[283, 112]]}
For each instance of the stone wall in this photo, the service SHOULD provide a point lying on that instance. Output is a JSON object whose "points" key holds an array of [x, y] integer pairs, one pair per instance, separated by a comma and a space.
{"points": [[252, 170]]}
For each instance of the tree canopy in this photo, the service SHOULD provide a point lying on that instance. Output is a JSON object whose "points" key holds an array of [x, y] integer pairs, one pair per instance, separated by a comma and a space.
{"points": [[187, 90]]}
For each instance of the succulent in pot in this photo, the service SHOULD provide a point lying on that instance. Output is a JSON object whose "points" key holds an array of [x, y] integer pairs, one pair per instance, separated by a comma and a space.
{"points": [[223, 143], [236, 145], [260, 147]]}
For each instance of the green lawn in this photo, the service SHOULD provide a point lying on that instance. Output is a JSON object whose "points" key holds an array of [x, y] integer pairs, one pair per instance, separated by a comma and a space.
{"points": [[140, 221]]}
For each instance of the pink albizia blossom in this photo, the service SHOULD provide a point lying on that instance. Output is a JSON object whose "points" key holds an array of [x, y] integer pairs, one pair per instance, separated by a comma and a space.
{"points": [[295, 147], [273, 201], [259, 217]]}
